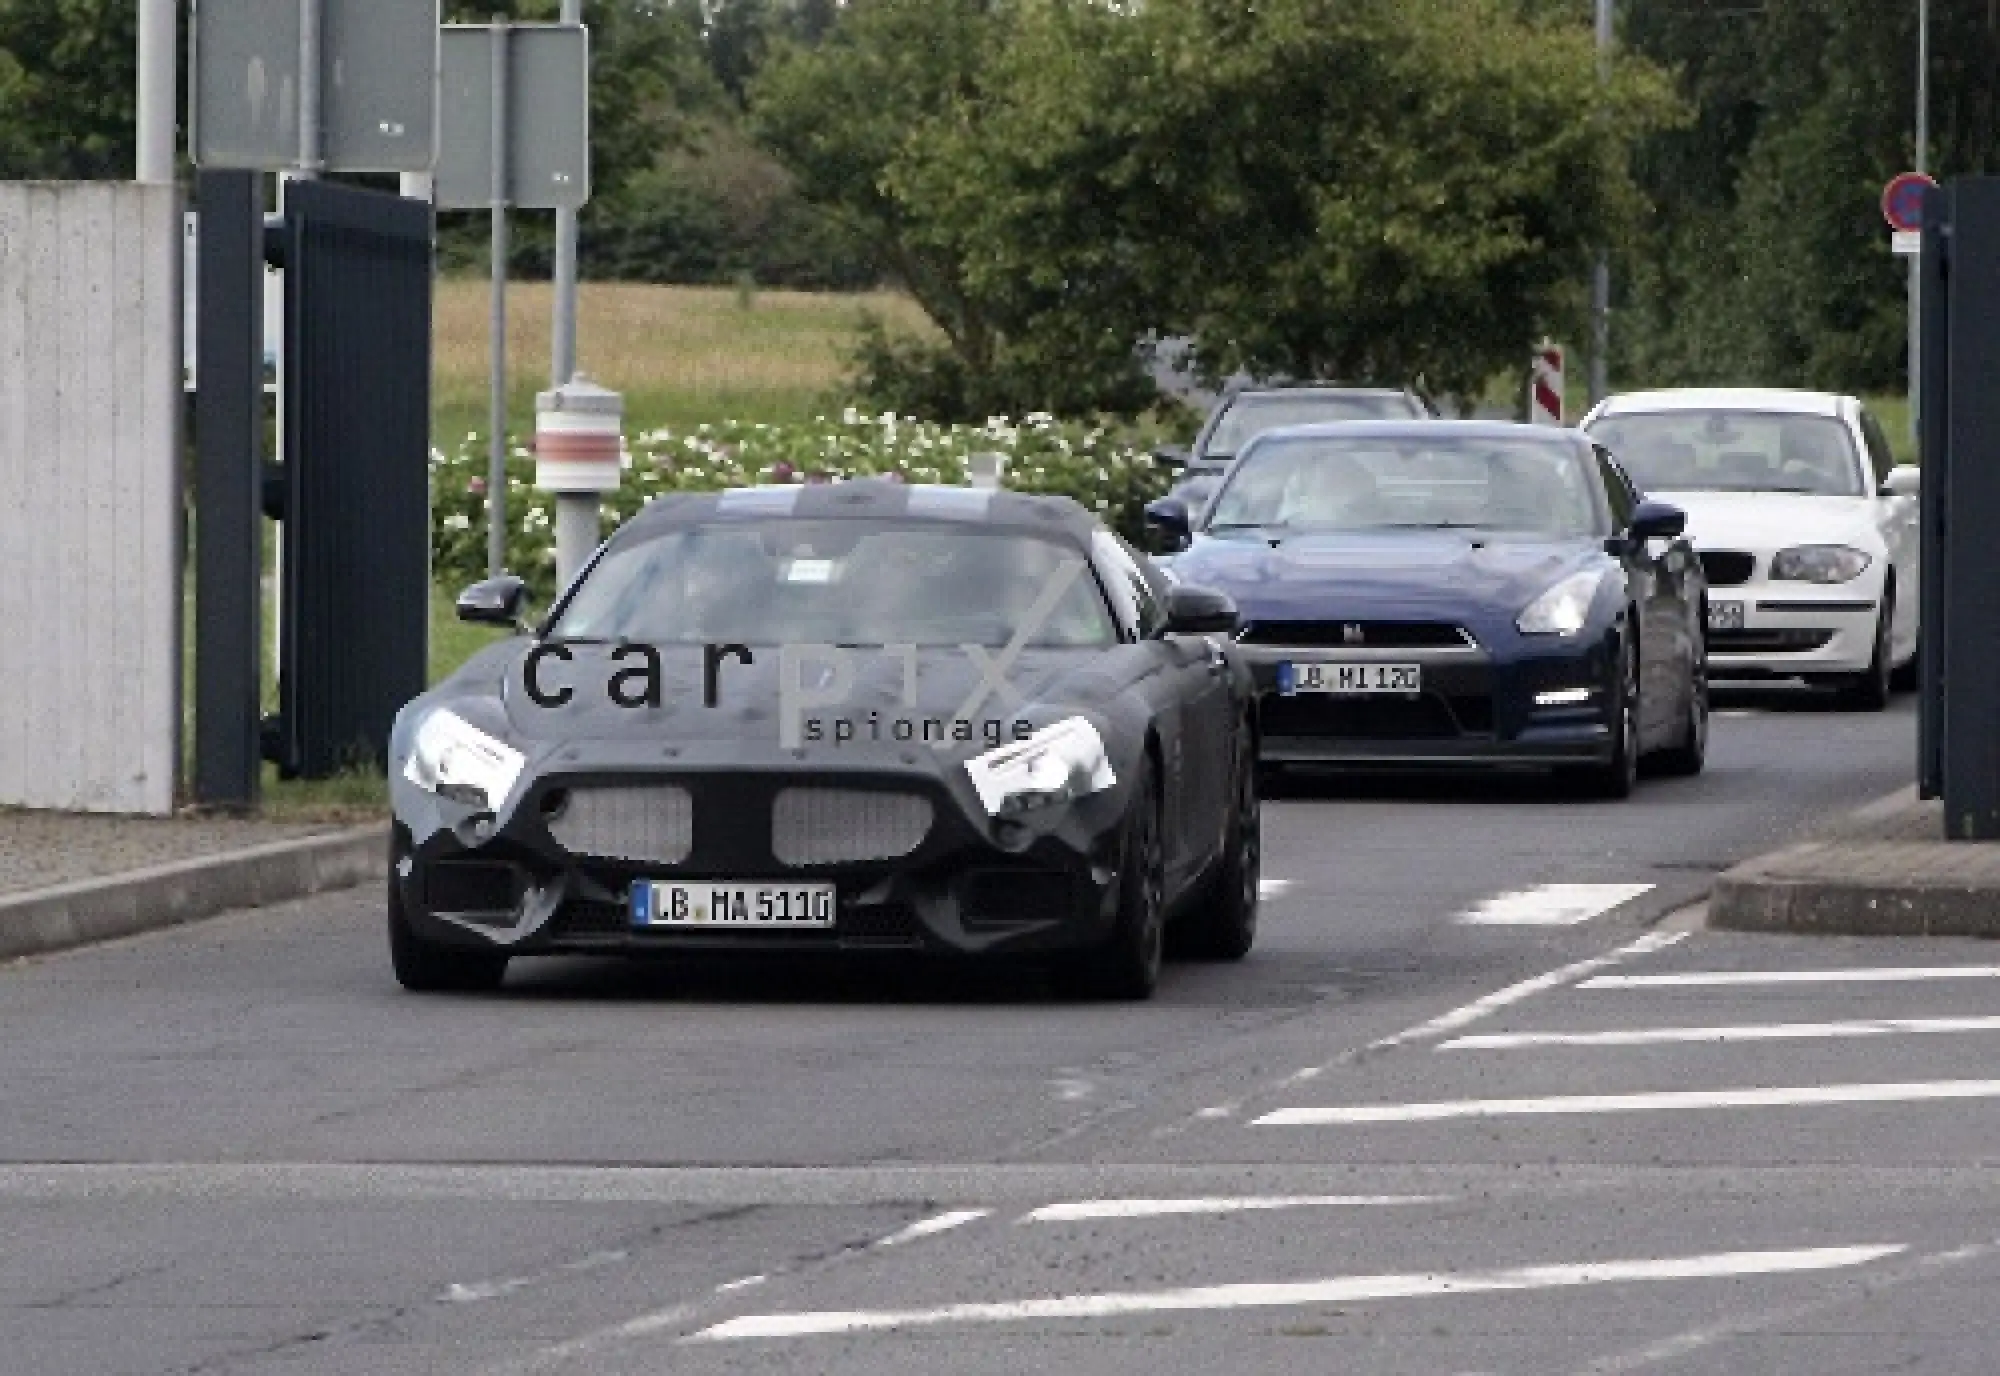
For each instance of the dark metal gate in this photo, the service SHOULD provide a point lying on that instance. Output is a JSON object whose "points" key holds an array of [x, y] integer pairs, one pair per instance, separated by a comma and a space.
{"points": [[1959, 758], [353, 495]]}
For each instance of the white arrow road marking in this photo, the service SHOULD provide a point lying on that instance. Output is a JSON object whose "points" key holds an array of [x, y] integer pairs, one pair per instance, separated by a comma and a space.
{"points": [[1692, 979], [1335, 1290], [1632, 1103], [938, 1223], [1085, 1209], [1754, 1032], [1552, 905]]}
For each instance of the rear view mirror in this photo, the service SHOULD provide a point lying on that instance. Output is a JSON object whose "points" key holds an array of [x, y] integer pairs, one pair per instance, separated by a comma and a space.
{"points": [[1904, 480], [494, 601]]}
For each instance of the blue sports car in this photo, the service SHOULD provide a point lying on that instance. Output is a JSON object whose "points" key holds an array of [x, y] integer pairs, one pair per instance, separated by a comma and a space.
{"points": [[1456, 593]]}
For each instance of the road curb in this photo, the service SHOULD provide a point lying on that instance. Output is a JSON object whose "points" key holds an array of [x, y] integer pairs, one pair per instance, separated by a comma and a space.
{"points": [[1856, 886], [76, 914]]}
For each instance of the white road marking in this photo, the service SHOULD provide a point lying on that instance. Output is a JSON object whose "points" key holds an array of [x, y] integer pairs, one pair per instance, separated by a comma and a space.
{"points": [[1753, 1032], [1273, 888], [1527, 988], [1334, 1290], [1552, 905], [743, 1283], [1632, 1103], [1216, 1111], [1691, 979], [1088, 1209], [938, 1223]]}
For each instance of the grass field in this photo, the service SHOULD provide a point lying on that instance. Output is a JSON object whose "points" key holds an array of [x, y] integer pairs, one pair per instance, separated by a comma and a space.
{"points": [[679, 355]]}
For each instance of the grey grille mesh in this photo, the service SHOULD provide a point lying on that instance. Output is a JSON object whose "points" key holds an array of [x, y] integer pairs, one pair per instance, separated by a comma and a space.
{"points": [[827, 826], [651, 822]]}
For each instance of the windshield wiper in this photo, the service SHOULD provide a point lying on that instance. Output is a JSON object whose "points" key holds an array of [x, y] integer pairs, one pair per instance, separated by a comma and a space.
{"points": [[1246, 525], [1430, 525]]}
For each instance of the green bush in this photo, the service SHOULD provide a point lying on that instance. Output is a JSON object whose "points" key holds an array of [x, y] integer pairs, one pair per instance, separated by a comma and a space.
{"points": [[1109, 472]]}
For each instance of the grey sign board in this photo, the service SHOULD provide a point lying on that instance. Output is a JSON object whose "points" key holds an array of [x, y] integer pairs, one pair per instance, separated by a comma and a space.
{"points": [[547, 81], [377, 84]]}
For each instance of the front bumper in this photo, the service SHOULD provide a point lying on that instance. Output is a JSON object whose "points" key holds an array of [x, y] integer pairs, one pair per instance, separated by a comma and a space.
{"points": [[1792, 629], [968, 887], [1474, 710]]}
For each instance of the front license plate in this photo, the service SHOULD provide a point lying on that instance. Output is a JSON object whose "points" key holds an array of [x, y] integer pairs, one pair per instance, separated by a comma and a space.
{"points": [[1725, 616], [731, 905], [1349, 678]]}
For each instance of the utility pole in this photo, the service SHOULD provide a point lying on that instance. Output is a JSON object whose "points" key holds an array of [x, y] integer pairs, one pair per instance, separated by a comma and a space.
{"points": [[578, 514], [158, 94], [1600, 286], [1922, 159]]}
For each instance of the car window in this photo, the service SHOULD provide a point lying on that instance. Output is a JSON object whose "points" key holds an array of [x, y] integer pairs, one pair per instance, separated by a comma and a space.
{"points": [[1617, 489], [1880, 456], [844, 582], [1734, 450], [1443, 480], [1250, 414], [1141, 604]]}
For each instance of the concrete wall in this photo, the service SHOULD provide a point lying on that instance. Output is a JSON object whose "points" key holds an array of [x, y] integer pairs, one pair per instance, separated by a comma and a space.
{"points": [[90, 502]]}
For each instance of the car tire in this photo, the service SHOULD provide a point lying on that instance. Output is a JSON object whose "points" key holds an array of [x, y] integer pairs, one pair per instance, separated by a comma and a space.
{"points": [[1908, 677], [1690, 756], [1619, 775], [426, 968], [1869, 690], [1127, 967], [1224, 926]]}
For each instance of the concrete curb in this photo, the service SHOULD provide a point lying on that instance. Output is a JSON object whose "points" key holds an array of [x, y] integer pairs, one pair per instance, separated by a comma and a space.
{"points": [[90, 910], [1851, 885]]}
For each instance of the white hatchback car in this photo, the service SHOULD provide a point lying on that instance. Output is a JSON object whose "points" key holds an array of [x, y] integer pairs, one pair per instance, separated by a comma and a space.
{"points": [[1804, 523]]}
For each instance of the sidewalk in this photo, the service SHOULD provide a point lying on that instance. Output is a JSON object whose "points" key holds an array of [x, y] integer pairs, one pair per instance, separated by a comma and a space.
{"points": [[71, 878], [1885, 870]]}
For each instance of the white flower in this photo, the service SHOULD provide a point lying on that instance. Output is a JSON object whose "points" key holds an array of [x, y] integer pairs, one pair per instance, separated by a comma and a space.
{"points": [[458, 520]]}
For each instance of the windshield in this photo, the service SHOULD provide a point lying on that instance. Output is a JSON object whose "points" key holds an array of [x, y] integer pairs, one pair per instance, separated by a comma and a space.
{"points": [[1250, 415], [1364, 484], [1734, 451], [845, 582]]}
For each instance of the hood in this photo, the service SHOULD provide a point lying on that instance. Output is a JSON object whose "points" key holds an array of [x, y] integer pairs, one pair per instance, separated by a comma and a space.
{"points": [[1773, 520], [1051, 683], [1380, 573]]}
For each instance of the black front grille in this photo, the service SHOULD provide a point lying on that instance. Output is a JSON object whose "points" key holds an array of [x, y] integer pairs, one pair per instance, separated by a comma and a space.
{"points": [[1433, 716], [997, 898], [586, 918], [1371, 635], [1763, 642], [470, 886], [1727, 568]]}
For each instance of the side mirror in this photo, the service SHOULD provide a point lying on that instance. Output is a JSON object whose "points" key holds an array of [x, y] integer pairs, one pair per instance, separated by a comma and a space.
{"points": [[1169, 516], [1199, 611], [1904, 480], [1657, 521], [494, 601], [1172, 456]]}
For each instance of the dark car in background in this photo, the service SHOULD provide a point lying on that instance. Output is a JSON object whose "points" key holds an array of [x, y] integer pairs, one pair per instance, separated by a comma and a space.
{"points": [[1456, 593], [856, 716], [1247, 412]]}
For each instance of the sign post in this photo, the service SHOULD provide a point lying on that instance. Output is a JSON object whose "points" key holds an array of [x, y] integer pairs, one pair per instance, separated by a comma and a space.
{"points": [[1545, 386], [1903, 208], [513, 132]]}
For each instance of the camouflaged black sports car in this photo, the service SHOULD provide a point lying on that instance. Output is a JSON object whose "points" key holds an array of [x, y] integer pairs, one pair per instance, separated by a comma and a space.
{"points": [[837, 717]]}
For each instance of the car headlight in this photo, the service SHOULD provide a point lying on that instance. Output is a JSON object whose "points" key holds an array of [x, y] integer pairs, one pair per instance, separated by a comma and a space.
{"points": [[1819, 564], [455, 759], [1562, 609], [1056, 765]]}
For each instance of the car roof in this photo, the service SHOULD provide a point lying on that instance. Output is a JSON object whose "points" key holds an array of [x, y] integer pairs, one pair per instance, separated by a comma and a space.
{"points": [[1424, 430], [1324, 388], [1786, 400], [876, 499]]}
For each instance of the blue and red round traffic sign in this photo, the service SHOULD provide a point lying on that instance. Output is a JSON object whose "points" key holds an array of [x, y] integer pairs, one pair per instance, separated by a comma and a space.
{"points": [[1903, 201]]}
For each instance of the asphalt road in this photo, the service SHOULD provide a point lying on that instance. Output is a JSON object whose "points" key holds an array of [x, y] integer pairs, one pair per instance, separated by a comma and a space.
{"points": [[1448, 1118]]}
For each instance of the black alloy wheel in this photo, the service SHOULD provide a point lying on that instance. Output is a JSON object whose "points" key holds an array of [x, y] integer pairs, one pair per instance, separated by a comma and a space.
{"points": [[1224, 926], [1619, 775], [426, 968], [1869, 690], [1127, 967]]}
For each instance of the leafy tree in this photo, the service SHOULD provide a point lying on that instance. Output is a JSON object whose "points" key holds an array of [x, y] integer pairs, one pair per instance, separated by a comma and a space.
{"points": [[67, 100]]}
